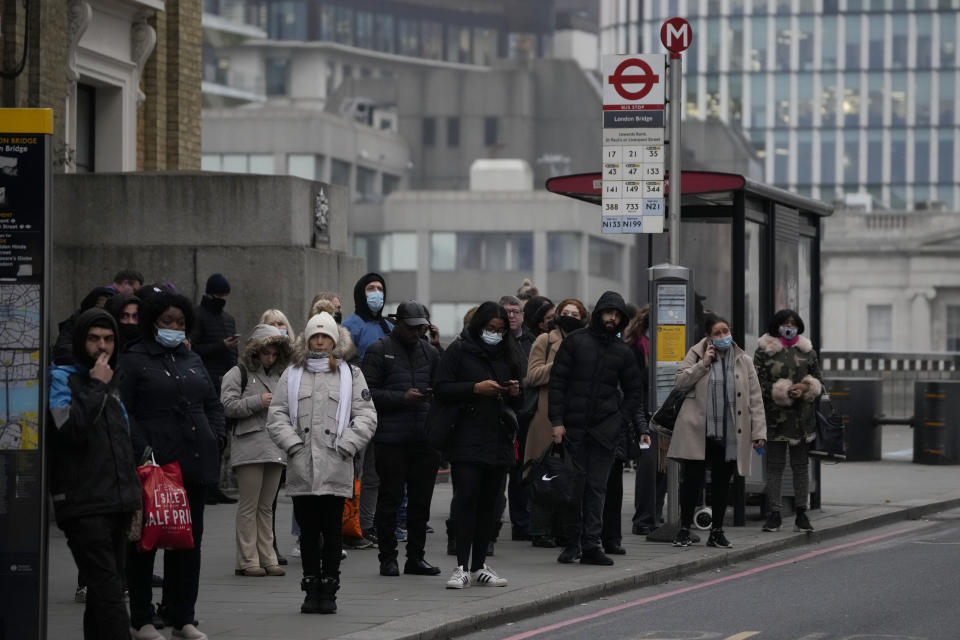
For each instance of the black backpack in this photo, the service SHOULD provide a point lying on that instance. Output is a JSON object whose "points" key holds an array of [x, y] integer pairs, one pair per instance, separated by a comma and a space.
{"points": [[555, 478], [231, 423]]}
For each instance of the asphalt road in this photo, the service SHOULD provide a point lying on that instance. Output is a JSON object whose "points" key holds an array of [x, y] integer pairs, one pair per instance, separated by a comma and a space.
{"points": [[897, 583]]}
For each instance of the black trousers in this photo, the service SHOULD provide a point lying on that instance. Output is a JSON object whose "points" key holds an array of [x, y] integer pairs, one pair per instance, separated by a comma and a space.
{"points": [[694, 473], [595, 460], [517, 493], [475, 490], [99, 546], [181, 572], [321, 534], [611, 533], [415, 465], [650, 488]]}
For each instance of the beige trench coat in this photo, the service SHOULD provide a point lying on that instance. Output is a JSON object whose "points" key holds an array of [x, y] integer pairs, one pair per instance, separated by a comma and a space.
{"points": [[689, 433], [540, 433]]}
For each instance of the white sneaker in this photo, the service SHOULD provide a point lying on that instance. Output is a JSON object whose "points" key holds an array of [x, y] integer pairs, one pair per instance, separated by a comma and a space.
{"points": [[189, 632], [81, 595], [343, 554], [486, 577], [146, 632], [459, 579], [295, 551]]}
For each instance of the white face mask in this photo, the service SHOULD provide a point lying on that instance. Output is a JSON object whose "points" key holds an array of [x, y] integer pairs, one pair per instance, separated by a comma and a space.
{"points": [[491, 337]]}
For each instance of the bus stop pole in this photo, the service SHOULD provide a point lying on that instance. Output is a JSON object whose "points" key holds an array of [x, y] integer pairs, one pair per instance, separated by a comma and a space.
{"points": [[673, 468]]}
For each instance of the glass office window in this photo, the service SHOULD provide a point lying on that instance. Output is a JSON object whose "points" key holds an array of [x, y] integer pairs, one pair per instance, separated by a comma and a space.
{"points": [[365, 37], [804, 157], [367, 184], [485, 46], [734, 99], [390, 184], [470, 251], [490, 132], [828, 42], [453, 132], [458, 44], [429, 131], [875, 156], [443, 251], [898, 98], [409, 37], [875, 97], [383, 36], [784, 36], [921, 97], [945, 144], [947, 103], [804, 37], [900, 26], [877, 42], [343, 27], [713, 44], [851, 25], [302, 165], [340, 172], [948, 39], [758, 44], [563, 251], [921, 156], [431, 40], [828, 156], [605, 259], [713, 96], [924, 23], [828, 100], [403, 252], [781, 116], [758, 100], [288, 20], [898, 156], [209, 162], [781, 160], [735, 38], [278, 76], [851, 98], [851, 157], [805, 105]]}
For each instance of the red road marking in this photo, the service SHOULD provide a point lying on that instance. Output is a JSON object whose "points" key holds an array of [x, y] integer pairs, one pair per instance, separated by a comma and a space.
{"points": [[709, 583]]}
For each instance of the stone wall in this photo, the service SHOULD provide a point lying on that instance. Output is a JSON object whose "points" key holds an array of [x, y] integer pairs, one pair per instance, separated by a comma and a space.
{"points": [[256, 230]]}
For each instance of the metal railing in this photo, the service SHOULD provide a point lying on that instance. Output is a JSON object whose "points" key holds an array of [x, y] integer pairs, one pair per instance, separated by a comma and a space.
{"points": [[898, 371]]}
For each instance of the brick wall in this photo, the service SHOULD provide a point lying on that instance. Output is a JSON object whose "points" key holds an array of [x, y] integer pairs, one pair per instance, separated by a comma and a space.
{"points": [[184, 41]]}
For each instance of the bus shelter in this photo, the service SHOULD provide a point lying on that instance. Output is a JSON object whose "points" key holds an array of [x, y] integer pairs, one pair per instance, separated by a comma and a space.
{"points": [[752, 249]]}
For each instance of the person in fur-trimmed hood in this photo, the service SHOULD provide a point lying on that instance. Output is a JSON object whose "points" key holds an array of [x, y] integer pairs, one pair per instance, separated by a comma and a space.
{"points": [[322, 416], [246, 395], [791, 380]]}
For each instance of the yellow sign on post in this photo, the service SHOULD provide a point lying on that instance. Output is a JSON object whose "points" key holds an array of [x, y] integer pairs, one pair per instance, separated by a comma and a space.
{"points": [[671, 342]]}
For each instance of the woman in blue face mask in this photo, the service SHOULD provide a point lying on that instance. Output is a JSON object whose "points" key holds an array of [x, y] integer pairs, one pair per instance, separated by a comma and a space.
{"points": [[174, 408], [721, 419], [791, 380], [480, 375]]}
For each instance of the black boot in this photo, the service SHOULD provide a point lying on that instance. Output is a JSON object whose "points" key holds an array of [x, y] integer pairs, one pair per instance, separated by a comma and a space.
{"points": [[311, 603], [328, 594]]}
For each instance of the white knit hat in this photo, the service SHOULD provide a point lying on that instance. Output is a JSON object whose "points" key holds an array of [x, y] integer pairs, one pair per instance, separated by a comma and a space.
{"points": [[323, 323]]}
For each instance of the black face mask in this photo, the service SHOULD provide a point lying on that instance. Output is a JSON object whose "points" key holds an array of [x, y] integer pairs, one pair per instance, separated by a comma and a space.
{"points": [[217, 303], [337, 317], [568, 323], [129, 333]]}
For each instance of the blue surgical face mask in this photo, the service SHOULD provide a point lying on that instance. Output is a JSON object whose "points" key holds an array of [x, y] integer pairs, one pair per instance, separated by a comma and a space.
{"points": [[788, 332], [492, 338], [170, 338], [723, 343], [284, 332], [375, 301]]}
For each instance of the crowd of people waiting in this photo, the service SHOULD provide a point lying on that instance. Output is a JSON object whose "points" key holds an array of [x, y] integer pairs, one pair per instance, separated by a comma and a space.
{"points": [[346, 413]]}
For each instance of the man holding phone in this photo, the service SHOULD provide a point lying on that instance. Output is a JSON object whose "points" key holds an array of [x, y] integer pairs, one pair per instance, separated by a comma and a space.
{"points": [[399, 370]]}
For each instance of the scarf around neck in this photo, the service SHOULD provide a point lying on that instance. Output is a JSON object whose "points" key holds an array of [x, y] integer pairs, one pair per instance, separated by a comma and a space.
{"points": [[319, 366], [721, 403]]}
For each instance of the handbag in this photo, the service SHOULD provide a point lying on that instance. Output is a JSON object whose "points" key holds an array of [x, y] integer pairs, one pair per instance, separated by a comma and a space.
{"points": [[829, 443], [555, 477], [351, 513], [665, 418], [167, 523]]}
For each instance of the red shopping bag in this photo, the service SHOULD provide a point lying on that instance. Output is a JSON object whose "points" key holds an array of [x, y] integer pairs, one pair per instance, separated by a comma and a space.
{"points": [[166, 511], [351, 513]]}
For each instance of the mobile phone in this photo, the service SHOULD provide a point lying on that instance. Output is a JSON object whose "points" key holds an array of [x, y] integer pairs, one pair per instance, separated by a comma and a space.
{"points": [[429, 391]]}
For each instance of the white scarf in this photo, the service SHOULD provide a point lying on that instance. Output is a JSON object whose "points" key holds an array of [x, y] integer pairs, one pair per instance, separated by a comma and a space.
{"points": [[321, 365]]}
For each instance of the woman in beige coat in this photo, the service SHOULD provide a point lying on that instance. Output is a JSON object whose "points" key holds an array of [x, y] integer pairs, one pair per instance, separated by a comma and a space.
{"points": [[322, 415], [571, 315], [721, 418]]}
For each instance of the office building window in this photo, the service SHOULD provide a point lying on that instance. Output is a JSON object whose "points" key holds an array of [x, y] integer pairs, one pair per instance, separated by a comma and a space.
{"points": [[388, 251], [781, 157], [898, 98], [288, 20], [302, 165], [481, 251], [758, 45], [948, 39], [431, 40], [878, 41], [851, 25], [921, 156], [851, 99], [804, 36], [880, 327], [875, 156], [851, 157], [453, 132], [947, 103], [875, 97], [921, 97], [429, 138], [261, 163], [485, 46], [953, 327], [784, 36], [443, 251], [409, 36], [605, 259], [448, 316], [278, 76], [458, 44], [340, 172], [758, 100], [828, 156], [945, 155], [490, 131], [924, 40], [343, 25], [828, 43], [898, 156], [390, 184], [367, 185], [365, 37], [383, 38], [563, 251]]}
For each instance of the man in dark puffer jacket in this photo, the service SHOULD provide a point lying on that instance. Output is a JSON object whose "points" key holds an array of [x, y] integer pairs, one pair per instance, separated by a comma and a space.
{"points": [[590, 371], [399, 370], [94, 480]]}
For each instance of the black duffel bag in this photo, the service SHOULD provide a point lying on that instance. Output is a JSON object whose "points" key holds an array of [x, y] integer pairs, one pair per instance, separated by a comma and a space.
{"points": [[829, 443], [555, 478]]}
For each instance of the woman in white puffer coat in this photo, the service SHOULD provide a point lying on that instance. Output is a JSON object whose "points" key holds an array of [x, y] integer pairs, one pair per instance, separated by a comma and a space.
{"points": [[322, 416]]}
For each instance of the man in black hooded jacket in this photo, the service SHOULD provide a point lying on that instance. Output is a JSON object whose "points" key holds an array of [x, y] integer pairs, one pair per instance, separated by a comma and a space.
{"points": [[93, 473], [594, 390]]}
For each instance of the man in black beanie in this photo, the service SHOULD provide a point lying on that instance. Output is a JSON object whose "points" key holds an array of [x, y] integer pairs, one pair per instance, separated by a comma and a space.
{"points": [[214, 338]]}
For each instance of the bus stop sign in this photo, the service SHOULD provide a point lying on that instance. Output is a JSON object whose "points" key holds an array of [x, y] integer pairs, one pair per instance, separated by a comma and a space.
{"points": [[676, 34]]}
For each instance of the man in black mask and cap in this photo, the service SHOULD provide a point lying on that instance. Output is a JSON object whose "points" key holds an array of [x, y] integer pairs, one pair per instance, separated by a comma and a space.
{"points": [[595, 390], [399, 370], [94, 480]]}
